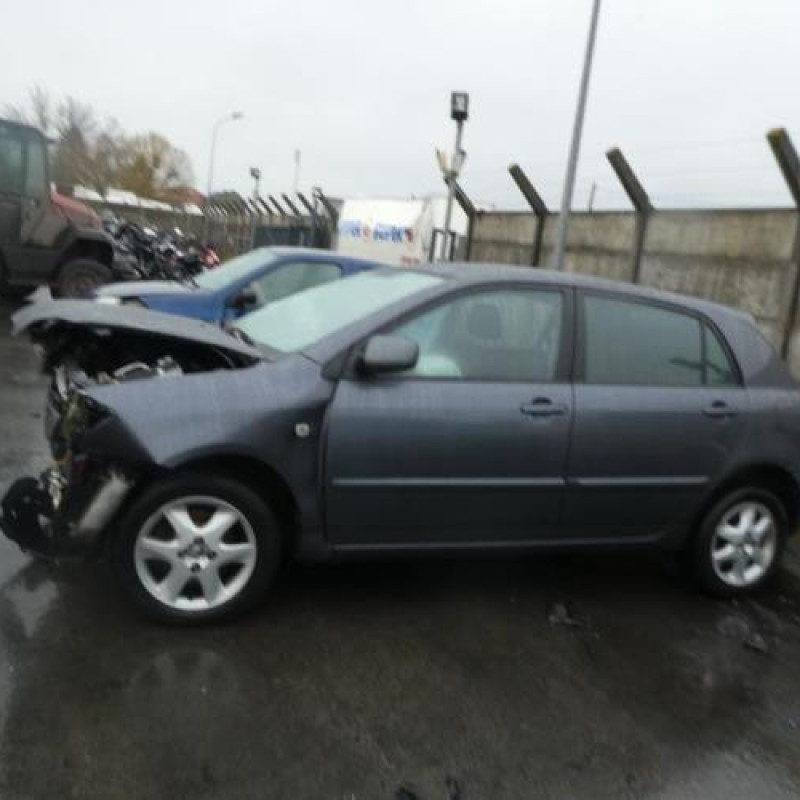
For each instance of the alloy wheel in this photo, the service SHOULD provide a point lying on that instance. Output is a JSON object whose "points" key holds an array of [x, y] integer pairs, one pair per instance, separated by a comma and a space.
{"points": [[744, 544], [195, 553]]}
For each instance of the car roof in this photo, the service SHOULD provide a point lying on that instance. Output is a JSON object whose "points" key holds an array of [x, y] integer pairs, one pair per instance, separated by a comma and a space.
{"points": [[474, 273], [23, 126], [327, 255]]}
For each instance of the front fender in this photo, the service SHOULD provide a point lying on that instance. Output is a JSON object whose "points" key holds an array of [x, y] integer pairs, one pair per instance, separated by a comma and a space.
{"points": [[254, 413]]}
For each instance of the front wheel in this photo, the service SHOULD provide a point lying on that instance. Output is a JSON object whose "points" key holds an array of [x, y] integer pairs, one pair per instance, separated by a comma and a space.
{"points": [[196, 548], [81, 278], [738, 545]]}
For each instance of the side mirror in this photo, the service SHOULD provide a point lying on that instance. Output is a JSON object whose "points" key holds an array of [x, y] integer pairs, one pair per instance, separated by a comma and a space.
{"points": [[244, 300], [386, 354]]}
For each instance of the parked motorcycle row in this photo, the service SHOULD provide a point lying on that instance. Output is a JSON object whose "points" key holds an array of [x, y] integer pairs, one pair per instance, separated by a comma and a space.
{"points": [[148, 253]]}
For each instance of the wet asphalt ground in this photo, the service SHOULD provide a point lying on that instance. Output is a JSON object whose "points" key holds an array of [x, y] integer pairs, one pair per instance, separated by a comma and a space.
{"points": [[546, 678]]}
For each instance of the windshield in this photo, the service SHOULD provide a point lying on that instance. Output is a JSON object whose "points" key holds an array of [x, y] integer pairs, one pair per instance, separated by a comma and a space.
{"points": [[302, 319], [235, 269]]}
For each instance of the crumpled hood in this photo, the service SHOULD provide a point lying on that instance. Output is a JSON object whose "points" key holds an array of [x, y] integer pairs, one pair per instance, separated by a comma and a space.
{"points": [[145, 288], [132, 319]]}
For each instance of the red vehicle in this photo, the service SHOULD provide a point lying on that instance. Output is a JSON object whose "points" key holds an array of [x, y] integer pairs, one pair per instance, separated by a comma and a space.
{"points": [[46, 238]]}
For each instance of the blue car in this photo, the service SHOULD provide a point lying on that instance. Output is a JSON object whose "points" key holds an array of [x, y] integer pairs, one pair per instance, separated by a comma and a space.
{"points": [[238, 286]]}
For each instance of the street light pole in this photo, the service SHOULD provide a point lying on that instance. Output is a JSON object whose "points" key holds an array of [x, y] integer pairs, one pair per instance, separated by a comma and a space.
{"points": [[574, 150], [215, 130], [459, 111], [451, 193], [255, 174], [297, 157]]}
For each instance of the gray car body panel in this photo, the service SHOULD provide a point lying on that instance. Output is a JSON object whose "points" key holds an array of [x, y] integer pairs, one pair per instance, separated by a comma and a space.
{"points": [[254, 413], [90, 314], [250, 413]]}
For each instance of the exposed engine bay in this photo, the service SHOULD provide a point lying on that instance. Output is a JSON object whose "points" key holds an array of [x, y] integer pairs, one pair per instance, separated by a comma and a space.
{"points": [[109, 356], [79, 358]]}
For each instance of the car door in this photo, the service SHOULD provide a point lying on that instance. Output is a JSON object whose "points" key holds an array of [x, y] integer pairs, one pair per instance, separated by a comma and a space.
{"points": [[25, 239], [284, 280], [659, 407], [469, 448], [12, 183]]}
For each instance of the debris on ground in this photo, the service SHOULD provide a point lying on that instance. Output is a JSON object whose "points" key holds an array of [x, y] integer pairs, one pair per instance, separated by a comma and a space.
{"points": [[756, 642], [559, 614], [453, 788], [734, 627], [454, 792]]}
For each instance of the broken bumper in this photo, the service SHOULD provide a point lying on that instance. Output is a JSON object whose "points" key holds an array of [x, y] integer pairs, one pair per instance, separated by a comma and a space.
{"points": [[57, 518]]}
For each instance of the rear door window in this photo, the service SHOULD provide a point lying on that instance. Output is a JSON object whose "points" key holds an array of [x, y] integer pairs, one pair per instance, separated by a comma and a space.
{"points": [[719, 369], [638, 344]]}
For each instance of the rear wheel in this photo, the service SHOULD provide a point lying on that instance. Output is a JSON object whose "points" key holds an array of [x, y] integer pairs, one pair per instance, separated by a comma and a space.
{"points": [[81, 278], [738, 545], [196, 548]]}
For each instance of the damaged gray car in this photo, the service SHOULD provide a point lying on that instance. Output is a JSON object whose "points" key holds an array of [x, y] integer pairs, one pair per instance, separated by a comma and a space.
{"points": [[452, 409]]}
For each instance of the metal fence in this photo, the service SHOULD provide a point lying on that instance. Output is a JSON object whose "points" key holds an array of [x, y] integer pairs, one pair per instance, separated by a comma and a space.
{"points": [[236, 225]]}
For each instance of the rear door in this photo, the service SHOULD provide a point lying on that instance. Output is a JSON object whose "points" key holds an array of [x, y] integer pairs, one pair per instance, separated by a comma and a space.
{"points": [[467, 449], [659, 407]]}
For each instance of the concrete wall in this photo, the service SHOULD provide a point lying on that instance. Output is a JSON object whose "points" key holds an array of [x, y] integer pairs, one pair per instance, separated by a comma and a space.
{"points": [[739, 258], [503, 238], [742, 258], [597, 244]]}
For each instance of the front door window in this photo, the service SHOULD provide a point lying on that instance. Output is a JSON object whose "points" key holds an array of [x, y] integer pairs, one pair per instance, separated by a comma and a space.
{"points": [[12, 161], [498, 335]]}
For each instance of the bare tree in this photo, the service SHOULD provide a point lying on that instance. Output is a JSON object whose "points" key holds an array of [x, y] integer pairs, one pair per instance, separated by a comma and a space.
{"points": [[97, 153]]}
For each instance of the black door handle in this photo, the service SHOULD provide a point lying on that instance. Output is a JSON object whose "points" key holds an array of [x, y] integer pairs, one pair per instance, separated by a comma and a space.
{"points": [[543, 407], [719, 410]]}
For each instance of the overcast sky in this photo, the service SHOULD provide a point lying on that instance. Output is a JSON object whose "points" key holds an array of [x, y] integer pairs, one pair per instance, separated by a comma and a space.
{"points": [[687, 88]]}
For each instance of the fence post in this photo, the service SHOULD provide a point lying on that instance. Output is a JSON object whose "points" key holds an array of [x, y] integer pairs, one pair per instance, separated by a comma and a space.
{"points": [[329, 207], [641, 203], [468, 207], [308, 207], [786, 155], [293, 208], [322, 236], [537, 205], [277, 205], [255, 218]]}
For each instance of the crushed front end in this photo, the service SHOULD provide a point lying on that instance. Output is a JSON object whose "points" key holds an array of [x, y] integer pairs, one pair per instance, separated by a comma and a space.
{"points": [[63, 513], [96, 461]]}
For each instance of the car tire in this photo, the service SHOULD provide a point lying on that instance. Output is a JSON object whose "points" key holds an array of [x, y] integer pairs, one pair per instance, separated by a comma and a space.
{"points": [[81, 277], [172, 560], [739, 542]]}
